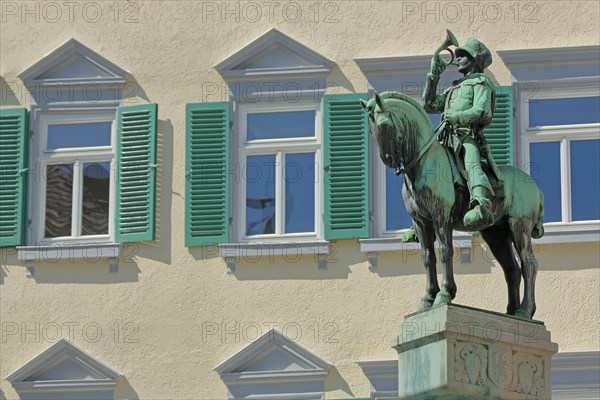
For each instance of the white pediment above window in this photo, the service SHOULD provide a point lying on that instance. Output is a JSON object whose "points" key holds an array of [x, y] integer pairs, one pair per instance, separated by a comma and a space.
{"points": [[65, 369], [273, 365], [552, 64], [274, 53], [72, 63]]}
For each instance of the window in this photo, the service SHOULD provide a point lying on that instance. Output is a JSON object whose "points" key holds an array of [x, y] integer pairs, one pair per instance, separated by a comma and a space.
{"points": [[76, 171], [75, 156], [561, 150], [276, 162], [279, 151]]}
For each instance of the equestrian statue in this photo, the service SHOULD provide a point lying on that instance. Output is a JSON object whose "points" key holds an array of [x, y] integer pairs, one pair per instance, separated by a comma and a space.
{"points": [[501, 202]]}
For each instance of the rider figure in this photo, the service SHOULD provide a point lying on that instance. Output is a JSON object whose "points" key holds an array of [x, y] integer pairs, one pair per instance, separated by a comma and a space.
{"points": [[467, 108]]}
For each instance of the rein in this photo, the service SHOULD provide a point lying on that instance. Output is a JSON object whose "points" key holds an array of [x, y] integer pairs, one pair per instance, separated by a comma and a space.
{"points": [[401, 169]]}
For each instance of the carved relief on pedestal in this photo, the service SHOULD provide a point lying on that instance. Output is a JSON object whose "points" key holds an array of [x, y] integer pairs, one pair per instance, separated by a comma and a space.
{"points": [[470, 360], [530, 372], [506, 369], [500, 367]]}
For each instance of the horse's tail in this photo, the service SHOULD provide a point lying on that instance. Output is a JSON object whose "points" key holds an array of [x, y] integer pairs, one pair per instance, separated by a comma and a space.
{"points": [[538, 228]]}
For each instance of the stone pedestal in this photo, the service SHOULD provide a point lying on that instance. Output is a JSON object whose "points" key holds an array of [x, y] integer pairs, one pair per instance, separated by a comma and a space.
{"points": [[457, 352]]}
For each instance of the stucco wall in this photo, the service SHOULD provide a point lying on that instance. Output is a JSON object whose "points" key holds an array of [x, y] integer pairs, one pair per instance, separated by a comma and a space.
{"points": [[163, 301]]}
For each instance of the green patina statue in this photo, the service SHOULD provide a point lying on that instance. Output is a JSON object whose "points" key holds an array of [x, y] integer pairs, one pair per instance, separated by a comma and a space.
{"points": [[467, 108], [505, 204]]}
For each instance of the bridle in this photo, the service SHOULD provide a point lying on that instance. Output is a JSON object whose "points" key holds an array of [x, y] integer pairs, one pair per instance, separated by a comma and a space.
{"points": [[402, 168]]}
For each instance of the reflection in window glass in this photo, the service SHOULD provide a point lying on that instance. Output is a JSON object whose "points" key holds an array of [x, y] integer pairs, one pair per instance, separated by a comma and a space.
{"points": [[585, 180], [300, 193], [92, 134], [279, 125], [96, 189], [545, 170], [396, 216], [260, 194], [578, 110], [59, 200]]}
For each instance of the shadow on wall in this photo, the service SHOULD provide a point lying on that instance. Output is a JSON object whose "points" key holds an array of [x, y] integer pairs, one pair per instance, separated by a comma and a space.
{"points": [[160, 248], [124, 390], [337, 79], [82, 271], [335, 382], [10, 93], [133, 92]]}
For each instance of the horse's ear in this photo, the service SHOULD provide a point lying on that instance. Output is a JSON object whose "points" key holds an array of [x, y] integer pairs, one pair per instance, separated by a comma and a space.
{"points": [[364, 105], [379, 101]]}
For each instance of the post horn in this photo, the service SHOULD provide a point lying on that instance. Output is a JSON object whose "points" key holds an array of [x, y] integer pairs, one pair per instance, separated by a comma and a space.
{"points": [[445, 46]]}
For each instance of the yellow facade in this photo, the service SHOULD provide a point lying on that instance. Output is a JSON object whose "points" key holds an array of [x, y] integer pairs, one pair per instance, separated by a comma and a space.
{"points": [[172, 314]]}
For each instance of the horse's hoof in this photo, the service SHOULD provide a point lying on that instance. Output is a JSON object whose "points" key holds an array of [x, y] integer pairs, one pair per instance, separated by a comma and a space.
{"points": [[522, 314], [410, 236], [425, 304], [442, 297]]}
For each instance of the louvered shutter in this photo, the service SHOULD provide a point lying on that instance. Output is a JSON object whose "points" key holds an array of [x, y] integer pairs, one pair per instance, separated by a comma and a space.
{"points": [[14, 134], [207, 178], [499, 133], [136, 173], [346, 166]]}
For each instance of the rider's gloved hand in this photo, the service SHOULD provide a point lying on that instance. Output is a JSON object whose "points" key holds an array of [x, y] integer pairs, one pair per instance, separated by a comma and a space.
{"points": [[451, 116], [437, 65]]}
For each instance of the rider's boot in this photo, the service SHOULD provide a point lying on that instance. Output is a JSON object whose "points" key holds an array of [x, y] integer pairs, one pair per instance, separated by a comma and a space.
{"points": [[410, 236], [480, 215]]}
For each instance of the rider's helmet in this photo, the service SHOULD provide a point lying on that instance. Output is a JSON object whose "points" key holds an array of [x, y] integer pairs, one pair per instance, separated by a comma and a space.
{"points": [[477, 51]]}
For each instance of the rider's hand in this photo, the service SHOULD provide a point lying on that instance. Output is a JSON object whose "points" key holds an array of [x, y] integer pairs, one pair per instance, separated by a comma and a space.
{"points": [[451, 116], [437, 65]]}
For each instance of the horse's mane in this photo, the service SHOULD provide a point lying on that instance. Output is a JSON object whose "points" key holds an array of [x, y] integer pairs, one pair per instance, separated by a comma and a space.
{"points": [[401, 96]]}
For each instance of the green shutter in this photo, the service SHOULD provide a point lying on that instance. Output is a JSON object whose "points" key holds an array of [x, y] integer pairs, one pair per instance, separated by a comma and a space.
{"points": [[14, 140], [207, 178], [136, 173], [499, 134], [346, 166]]}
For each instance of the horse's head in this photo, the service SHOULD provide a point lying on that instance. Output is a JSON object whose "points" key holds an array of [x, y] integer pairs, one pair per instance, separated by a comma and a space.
{"points": [[385, 128]]}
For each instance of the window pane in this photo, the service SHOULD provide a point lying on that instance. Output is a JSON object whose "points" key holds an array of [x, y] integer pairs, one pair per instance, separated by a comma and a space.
{"points": [[396, 216], [260, 194], [59, 200], [545, 170], [435, 119], [96, 186], [279, 125], [300, 192], [585, 180], [64, 136], [579, 110]]}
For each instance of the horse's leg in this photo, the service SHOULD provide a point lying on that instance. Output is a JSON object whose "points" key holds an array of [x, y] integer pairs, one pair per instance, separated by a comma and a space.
{"points": [[444, 235], [521, 229], [500, 243], [427, 239]]}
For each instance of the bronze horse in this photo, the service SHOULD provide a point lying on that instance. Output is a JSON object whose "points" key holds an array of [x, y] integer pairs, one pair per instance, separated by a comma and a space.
{"points": [[404, 135]]}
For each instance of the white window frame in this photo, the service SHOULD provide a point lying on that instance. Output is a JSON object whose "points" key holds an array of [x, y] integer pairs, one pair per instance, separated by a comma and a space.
{"points": [[78, 156], [244, 148], [564, 134]]}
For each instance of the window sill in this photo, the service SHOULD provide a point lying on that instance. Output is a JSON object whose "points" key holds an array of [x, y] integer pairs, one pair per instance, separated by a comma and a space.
{"points": [[68, 252], [463, 241], [588, 233], [232, 252]]}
